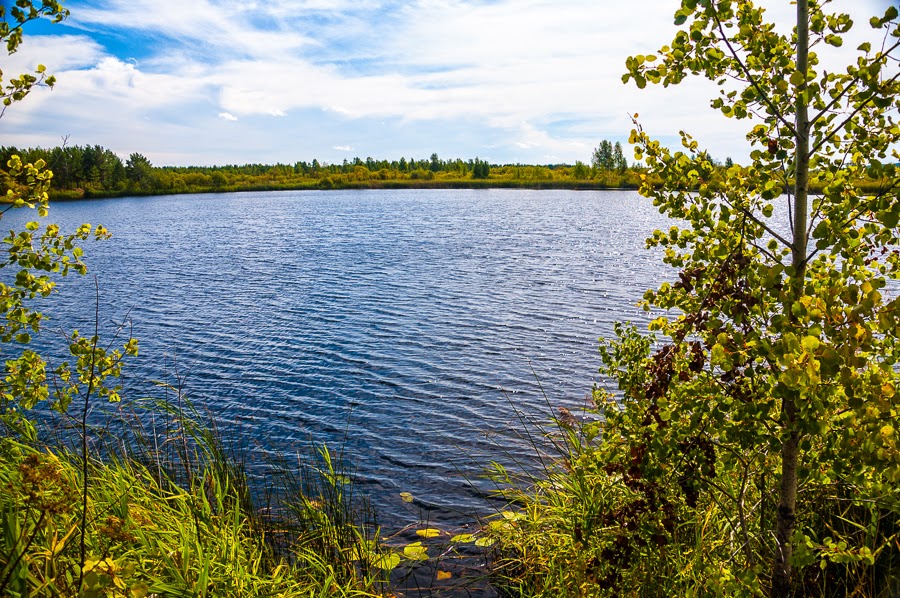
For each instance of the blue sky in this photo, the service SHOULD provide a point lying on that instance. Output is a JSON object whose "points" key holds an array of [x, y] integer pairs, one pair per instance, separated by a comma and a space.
{"points": [[236, 81]]}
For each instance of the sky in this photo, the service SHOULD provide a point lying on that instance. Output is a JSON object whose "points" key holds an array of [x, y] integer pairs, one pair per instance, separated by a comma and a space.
{"points": [[205, 82]]}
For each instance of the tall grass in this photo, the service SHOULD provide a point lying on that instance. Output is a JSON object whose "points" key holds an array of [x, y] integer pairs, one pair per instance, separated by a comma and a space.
{"points": [[173, 515]]}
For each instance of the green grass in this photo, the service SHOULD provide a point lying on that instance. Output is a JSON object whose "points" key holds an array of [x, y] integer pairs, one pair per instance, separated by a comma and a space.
{"points": [[178, 521]]}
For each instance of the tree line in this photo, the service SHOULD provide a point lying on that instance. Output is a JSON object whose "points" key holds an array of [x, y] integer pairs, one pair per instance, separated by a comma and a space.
{"points": [[92, 170]]}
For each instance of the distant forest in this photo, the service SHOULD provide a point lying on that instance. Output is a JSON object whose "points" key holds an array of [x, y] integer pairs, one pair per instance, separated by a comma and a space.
{"points": [[94, 171]]}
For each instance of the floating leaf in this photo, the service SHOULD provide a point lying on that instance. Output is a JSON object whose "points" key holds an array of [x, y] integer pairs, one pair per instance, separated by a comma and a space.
{"points": [[442, 575], [463, 538], [484, 542], [511, 516], [428, 532], [387, 561], [406, 497], [416, 552]]}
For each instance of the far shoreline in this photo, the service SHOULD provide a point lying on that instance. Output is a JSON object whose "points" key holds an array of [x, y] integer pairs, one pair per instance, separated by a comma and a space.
{"points": [[568, 185]]}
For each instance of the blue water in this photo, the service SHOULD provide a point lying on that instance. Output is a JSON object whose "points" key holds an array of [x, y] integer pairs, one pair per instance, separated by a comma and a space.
{"points": [[403, 325]]}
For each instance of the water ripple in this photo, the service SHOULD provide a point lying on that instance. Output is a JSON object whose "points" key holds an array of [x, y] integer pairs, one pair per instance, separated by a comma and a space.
{"points": [[403, 324]]}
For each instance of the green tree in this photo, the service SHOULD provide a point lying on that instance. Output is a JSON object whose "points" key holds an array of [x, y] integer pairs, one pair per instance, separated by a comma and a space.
{"points": [[139, 171], [112, 171], [580, 171], [783, 358], [38, 256], [481, 169], [619, 162], [602, 158]]}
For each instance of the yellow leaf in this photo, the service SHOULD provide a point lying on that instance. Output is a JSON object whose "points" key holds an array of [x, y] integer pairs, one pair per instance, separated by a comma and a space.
{"points": [[441, 575], [428, 532], [139, 590]]}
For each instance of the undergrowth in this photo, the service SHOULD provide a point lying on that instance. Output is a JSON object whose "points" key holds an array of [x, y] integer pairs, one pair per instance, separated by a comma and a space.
{"points": [[174, 516], [604, 519]]}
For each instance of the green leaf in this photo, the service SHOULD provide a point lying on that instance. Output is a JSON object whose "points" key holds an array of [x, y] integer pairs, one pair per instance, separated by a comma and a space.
{"points": [[463, 538], [890, 218], [387, 562], [512, 516], [139, 590], [810, 343], [718, 355], [416, 552]]}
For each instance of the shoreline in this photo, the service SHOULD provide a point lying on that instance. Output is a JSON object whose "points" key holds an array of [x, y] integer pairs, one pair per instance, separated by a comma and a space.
{"points": [[77, 194]]}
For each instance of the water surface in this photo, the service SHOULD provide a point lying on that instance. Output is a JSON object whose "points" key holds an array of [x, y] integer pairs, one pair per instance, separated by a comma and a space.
{"points": [[404, 325]]}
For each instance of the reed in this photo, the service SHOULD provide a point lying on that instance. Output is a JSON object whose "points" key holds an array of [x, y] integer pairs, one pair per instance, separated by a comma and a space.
{"points": [[169, 512]]}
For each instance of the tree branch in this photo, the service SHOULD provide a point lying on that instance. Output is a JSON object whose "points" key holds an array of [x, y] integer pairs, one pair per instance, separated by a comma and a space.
{"points": [[843, 124], [762, 94], [847, 89]]}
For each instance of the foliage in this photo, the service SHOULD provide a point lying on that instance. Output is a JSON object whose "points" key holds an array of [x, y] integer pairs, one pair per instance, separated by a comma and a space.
{"points": [[754, 448], [609, 157], [161, 523], [12, 18], [94, 171], [37, 256], [609, 520], [481, 169], [93, 521], [139, 172]]}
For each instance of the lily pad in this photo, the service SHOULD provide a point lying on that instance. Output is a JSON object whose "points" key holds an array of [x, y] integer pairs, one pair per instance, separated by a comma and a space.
{"points": [[387, 561], [416, 552], [428, 532], [512, 516], [463, 538]]}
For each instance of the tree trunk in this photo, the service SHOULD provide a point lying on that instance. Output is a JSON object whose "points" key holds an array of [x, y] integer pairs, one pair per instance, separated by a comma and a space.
{"points": [[790, 449]]}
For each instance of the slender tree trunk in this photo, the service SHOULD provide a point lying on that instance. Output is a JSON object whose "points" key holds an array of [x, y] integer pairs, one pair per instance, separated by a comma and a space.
{"points": [[790, 448]]}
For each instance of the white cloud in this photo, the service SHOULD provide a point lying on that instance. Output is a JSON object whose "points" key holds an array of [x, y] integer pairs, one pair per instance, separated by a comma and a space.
{"points": [[343, 148], [205, 26], [501, 74], [56, 52]]}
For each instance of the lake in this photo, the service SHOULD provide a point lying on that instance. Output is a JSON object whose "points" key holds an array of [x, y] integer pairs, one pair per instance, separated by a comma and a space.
{"points": [[407, 326]]}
